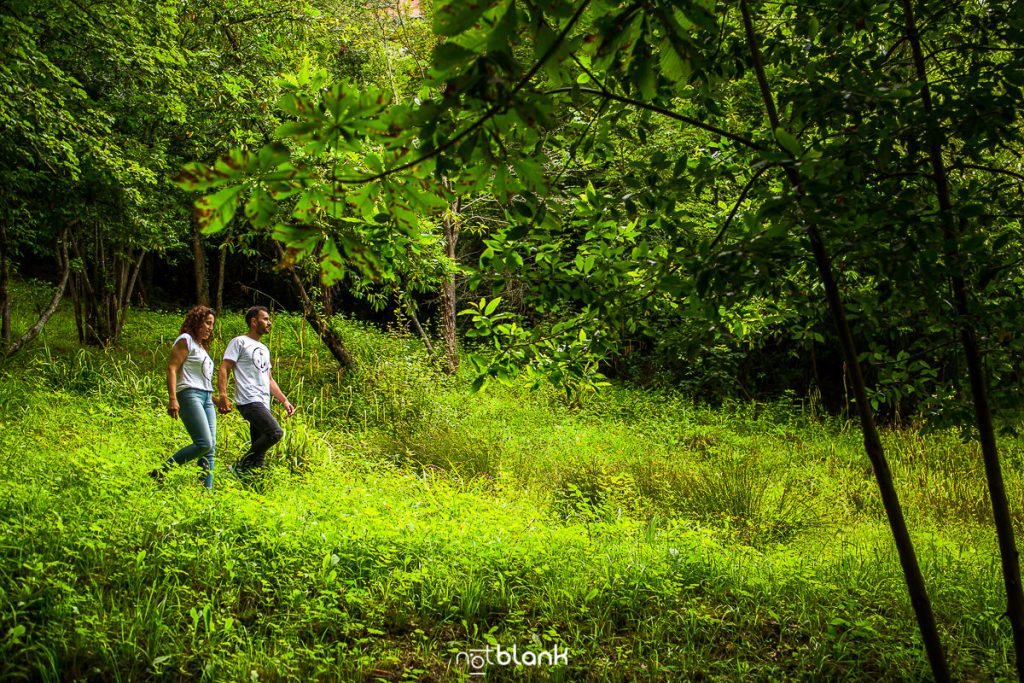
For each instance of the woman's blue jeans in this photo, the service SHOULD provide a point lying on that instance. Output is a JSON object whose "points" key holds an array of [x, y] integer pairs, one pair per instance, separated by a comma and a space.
{"points": [[195, 408]]}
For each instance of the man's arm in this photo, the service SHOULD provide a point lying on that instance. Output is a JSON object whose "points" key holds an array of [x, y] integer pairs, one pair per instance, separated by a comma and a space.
{"points": [[222, 385], [276, 392]]}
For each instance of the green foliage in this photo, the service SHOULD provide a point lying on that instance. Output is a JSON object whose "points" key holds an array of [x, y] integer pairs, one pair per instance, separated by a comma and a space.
{"points": [[331, 142], [761, 504], [589, 492]]}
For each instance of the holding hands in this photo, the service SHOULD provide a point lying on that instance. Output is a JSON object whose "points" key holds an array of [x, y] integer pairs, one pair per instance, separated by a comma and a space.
{"points": [[223, 404]]}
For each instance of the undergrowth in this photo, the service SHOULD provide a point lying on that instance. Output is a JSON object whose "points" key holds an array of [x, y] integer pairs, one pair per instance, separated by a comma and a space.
{"points": [[405, 520]]}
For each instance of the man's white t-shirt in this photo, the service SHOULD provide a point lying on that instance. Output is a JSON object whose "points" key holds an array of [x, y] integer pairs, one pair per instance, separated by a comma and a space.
{"points": [[252, 370], [197, 370]]}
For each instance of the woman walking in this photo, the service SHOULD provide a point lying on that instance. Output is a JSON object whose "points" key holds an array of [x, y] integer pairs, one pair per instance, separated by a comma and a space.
{"points": [[190, 392]]}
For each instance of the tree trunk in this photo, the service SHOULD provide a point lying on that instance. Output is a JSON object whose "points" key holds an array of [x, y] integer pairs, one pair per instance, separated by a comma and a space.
{"points": [[199, 267], [58, 294], [102, 289], [449, 305], [131, 271], [5, 292], [327, 297], [82, 290], [423, 334], [76, 306], [975, 367], [322, 325], [141, 298], [872, 441], [221, 268]]}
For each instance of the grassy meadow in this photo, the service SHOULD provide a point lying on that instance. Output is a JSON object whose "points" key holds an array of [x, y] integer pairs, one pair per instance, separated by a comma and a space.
{"points": [[404, 521]]}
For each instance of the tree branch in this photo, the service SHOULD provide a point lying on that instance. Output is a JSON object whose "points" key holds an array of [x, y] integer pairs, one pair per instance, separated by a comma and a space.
{"points": [[58, 294], [988, 169], [668, 113], [736, 206]]}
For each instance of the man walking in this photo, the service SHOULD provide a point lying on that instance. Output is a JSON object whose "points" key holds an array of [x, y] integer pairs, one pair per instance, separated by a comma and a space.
{"points": [[254, 385]]}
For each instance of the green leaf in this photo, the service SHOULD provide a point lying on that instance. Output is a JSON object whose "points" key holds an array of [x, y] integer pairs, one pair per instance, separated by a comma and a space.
{"points": [[215, 211], [499, 39], [272, 156], [332, 266], [673, 65], [452, 17], [517, 232], [298, 130], [296, 104], [492, 305], [260, 208], [198, 177], [235, 164], [448, 55], [531, 173], [788, 142]]}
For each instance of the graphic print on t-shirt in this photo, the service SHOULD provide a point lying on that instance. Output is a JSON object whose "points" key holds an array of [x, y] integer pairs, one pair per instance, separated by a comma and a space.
{"points": [[207, 367], [260, 360]]}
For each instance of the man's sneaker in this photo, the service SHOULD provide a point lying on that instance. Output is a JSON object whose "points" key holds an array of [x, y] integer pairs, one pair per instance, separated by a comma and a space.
{"points": [[237, 473]]}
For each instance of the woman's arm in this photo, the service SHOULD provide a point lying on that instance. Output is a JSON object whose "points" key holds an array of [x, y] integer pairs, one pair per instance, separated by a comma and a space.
{"points": [[178, 354]]}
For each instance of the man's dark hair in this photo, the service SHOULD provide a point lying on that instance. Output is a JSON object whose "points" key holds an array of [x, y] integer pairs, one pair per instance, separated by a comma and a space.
{"points": [[252, 313]]}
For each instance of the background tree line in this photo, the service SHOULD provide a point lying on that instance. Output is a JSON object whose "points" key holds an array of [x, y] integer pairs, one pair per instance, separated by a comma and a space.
{"points": [[102, 120]]}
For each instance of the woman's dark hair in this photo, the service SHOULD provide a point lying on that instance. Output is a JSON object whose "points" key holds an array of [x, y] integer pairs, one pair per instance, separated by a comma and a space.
{"points": [[194, 319], [253, 312]]}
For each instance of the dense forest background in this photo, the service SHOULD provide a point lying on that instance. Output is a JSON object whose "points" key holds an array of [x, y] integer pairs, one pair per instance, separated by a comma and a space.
{"points": [[737, 203], [632, 199]]}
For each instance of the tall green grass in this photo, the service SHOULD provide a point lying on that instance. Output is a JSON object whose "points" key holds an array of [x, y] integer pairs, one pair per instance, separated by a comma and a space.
{"points": [[404, 520]]}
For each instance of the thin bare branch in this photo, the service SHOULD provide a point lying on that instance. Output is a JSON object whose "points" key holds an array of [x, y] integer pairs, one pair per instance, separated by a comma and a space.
{"points": [[668, 113], [736, 205]]}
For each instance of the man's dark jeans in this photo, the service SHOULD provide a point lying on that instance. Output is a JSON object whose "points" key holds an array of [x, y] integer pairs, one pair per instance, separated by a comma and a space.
{"points": [[263, 431]]}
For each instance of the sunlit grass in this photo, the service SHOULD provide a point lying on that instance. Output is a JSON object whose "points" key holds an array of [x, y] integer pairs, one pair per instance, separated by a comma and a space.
{"points": [[405, 520]]}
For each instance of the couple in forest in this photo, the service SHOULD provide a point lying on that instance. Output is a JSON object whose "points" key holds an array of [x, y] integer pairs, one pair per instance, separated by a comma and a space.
{"points": [[190, 391]]}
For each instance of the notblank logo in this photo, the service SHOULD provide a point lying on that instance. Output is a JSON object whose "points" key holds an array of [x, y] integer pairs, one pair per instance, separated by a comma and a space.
{"points": [[478, 660]]}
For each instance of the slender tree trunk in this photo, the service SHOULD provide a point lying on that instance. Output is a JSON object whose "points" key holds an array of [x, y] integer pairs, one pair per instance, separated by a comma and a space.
{"points": [[132, 276], [221, 269], [322, 325], [199, 266], [872, 441], [82, 291], [58, 294], [975, 367], [327, 298], [141, 298], [423, 334], [107, 306], [76, 305], [5, 279], [449, 305]]}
